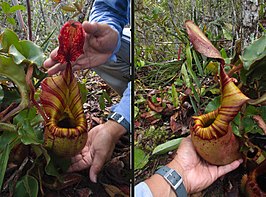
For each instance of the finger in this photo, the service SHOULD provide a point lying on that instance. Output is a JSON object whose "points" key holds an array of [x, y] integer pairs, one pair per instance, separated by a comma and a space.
{"points": [[56, 68], [222, 170], [96, 29], [51, 61], [80, 162], [96, 166]]}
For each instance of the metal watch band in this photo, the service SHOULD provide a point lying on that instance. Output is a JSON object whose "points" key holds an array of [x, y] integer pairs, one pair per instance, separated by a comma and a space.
{"points": [[119, 119], [174, 179]]}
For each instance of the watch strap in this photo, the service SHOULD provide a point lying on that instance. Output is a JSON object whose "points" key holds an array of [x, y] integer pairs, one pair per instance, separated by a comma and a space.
{"points": [[174, 179], [119, 119]]}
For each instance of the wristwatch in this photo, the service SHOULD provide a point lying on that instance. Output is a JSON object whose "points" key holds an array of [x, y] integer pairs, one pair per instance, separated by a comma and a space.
{"points": [[119, 119], [174, 179]]}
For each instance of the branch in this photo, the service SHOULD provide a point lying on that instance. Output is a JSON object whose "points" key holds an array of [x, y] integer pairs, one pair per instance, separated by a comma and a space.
{"points": [[29, 20]]}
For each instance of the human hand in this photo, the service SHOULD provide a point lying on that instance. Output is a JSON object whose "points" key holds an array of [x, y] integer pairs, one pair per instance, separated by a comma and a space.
{"points": [[100, 42], [197, 174], [98, 149]]}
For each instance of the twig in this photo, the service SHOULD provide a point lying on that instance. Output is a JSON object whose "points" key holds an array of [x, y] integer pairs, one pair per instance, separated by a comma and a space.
{"points": [[29, 21], [14, 177]]}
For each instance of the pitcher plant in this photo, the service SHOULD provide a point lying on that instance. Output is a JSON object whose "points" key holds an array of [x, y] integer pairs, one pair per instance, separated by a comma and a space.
{"points": [[212, 134], [66, 127]]}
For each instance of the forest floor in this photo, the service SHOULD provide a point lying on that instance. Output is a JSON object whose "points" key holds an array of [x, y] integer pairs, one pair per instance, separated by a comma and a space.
{"points": [[157, 121]]}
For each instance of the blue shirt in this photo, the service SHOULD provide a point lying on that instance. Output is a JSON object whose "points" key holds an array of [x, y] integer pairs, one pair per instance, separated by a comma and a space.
{"points": [[142, 190], [115, 13]]}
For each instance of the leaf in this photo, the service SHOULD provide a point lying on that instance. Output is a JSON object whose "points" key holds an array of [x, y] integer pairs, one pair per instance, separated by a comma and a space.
{"points": [[154, 106], [189, 66], [17, 74], [213, 105], [140, 158], [27, 52], [174, 96], [16, 8], [185, 76], [212, 67], [254, 52], [7, 141], [200, 41], [7, 38], [12, 21], [68, 8], [198, 64], [83, 91], [5, 7], [27, 186], [167, 146], [3, 162], [50, 168], [71, 41], [104, 96], [25, 121]]}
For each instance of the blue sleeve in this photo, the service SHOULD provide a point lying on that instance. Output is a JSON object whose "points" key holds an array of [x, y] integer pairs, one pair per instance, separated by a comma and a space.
{"points": [[142, 190], [123, 107], [113, 12]]}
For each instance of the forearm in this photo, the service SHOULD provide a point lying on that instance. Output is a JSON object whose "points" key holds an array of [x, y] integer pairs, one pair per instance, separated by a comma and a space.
{"points": [[160, 187], [123, 107]]}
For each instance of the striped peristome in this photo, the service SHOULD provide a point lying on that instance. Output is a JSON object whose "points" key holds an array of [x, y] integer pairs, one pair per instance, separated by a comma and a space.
{"points": [[215, 124]]}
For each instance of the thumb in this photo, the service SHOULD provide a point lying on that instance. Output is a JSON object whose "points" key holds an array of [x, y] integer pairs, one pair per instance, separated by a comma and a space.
{"points": [[96, 29], [96, 166], [222, 170]]}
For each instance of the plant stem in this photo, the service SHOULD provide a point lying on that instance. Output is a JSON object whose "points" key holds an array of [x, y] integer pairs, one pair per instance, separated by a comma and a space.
{"points": [[29, 20]]}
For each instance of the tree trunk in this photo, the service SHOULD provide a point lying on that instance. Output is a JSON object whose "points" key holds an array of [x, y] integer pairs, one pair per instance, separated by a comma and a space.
{"points": [[250, 15]]}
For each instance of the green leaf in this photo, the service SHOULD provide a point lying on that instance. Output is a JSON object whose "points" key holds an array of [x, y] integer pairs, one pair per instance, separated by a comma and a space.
{"points": [[140, 158], [27, 186], [185, 76], [50, 168], [17, 74], [251, 111], [16, 8], [198, 64], [213, 105], [136, 111], [3, 162], [104, 96], [12, 21], [174, 96], [189, 66], [254, 52], [167, 146], [27, 52], [7, 141], [5, 7], [45, 44], [83, 91], [29, 133], [7, 38]]}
